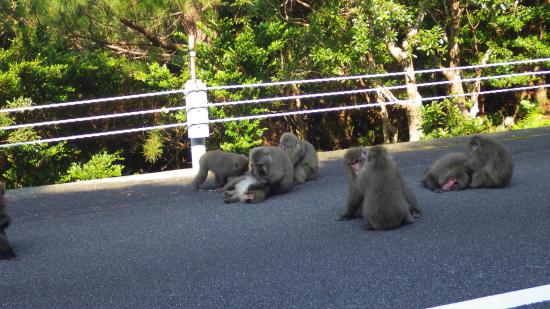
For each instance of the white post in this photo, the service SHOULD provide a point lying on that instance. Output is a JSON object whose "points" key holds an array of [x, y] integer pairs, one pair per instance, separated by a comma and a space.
{"points": [[197, 112]]}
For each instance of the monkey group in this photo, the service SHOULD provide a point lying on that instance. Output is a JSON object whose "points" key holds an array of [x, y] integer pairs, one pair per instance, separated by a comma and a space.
{"points": [[268, 170], [488, 165], [375, 185], [376, 190]]}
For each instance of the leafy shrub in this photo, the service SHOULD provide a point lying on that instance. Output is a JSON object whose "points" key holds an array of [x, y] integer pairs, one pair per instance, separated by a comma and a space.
{"points": [[99, 166], [444, 119], [531, 115]]}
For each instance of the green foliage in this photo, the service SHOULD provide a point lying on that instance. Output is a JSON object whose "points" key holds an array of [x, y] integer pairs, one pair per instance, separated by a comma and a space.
{"points": [[444, 119], [242, 136], [152, 148], [54, 51], [100, 165], [531, 115], [30, 165]]}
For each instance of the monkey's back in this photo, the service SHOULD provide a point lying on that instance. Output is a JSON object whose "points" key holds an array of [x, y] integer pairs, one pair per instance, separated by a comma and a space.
{"points": [[500, 165], [310, 158], [384, 205]]}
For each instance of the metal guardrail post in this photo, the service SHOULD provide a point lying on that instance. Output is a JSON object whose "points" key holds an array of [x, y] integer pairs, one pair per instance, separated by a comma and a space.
{"points": [[197, 112]]}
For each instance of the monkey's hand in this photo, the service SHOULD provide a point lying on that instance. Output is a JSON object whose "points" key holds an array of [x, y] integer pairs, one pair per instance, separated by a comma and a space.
{"points": [[346, 217], [416, 213]]}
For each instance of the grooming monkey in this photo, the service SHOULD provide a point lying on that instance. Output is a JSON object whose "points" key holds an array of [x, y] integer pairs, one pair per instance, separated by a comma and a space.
{"points": [[448, 173], [387, 202], [303, 156], [237, 190], [6, 251], [490, 163], [273, 169], [222, 164], [355, 158]]}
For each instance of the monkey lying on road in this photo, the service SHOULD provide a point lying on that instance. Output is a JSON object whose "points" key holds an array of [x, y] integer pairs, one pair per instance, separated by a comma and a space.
{"points": [[448, 173], [237, 190]]}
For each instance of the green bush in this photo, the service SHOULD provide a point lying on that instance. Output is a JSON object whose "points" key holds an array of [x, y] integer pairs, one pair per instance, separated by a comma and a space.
{"points": [[444, 119], [531, 115], [99, 166]]}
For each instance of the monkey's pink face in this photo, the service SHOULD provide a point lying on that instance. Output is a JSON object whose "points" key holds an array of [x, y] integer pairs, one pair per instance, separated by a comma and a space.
{"points": [[356, 166], [450, 185], [248, 197]]}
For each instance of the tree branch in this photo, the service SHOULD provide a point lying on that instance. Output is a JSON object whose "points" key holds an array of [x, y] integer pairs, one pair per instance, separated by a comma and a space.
{"points": [[156, 41]]}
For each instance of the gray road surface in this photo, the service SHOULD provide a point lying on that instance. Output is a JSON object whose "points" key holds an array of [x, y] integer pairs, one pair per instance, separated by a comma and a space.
{"points": [[156, 243]]}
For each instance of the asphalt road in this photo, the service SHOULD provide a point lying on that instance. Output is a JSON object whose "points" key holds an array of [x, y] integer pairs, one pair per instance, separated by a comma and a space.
{"points": [[157, 243]]}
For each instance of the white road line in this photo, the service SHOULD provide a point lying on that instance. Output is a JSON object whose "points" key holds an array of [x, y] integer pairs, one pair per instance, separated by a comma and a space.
{"points": [[505, 300]]}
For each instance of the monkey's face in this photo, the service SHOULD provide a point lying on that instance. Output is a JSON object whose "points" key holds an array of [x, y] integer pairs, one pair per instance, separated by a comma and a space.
{"points": [[357, 163], [288, 144], [261, 170], [355, 158], [261, 164]]}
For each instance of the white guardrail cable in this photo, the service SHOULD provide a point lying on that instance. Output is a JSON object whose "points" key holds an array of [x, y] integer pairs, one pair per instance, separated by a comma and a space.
{"points": [[272, 115], [264, 100], [267, 84]]}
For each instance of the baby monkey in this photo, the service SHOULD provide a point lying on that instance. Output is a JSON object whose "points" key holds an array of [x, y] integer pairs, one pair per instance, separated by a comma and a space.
{"points": [[238, 190]]}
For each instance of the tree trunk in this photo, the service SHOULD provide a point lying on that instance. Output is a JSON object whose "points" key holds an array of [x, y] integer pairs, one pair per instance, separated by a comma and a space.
{"points": [[403, 56], [298, 119], [414, 106], [454, 13], [477, 86], [389, 131]]}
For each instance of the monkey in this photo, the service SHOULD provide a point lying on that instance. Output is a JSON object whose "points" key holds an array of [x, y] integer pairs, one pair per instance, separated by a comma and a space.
{"points": [[354, 159], [6, 251], [303, 156], [237, 190], [273, 169], [387, 202], [448, 173], [222, 164], [490, 163]]}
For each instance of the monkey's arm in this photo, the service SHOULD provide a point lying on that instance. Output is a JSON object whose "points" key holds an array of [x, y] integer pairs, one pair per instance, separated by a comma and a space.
{"points": [[354, 201], [231, 184]]}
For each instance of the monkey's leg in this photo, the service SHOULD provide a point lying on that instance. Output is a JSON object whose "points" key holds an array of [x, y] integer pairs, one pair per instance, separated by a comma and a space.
{"points": [[200, 178], [230, 197], [300, 174], [310, 172], [6, 251], [479, 179], [411, 200], [4, 221], [430, 183], [353, 204], [218, 180]]}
